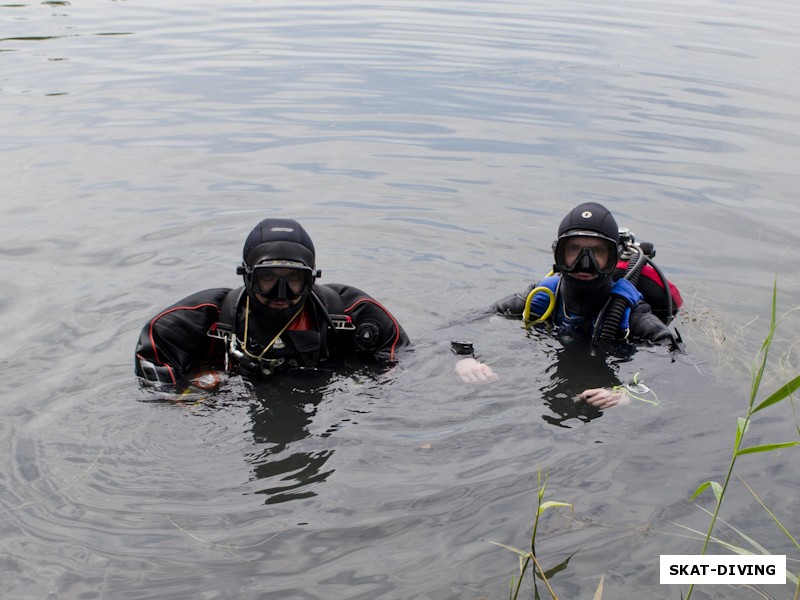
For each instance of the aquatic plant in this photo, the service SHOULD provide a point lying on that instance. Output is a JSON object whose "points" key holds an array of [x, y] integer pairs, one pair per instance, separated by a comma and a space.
{"points": [[528, 557], [743, 423]]}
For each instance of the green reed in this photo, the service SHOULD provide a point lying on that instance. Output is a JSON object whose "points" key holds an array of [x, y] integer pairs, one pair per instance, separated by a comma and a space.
{"points": [[742, 426], [528, 557]]}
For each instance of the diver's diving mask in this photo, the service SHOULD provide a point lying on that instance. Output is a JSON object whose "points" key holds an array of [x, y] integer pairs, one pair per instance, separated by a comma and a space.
{"points": [[580, 251], [280, 279]]}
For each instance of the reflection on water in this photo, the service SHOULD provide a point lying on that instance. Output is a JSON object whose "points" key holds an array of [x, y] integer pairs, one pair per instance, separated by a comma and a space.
{"points": [[276, 426], [281, 412], [576, 367], [430, 149]]}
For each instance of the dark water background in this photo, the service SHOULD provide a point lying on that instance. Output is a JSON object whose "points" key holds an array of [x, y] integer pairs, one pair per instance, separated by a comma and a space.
{"points": [[430, 148]]}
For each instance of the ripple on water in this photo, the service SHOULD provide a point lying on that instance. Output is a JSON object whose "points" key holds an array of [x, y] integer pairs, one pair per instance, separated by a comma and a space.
{"points": [[430, 149]]}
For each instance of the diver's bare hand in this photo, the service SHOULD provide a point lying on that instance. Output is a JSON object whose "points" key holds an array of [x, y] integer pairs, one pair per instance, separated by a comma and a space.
{"points": [[604, 398], [474, 371]]}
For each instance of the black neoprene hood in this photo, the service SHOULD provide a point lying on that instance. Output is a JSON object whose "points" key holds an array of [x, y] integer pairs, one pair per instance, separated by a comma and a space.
{"points": [[279, 240], [591, 216]]}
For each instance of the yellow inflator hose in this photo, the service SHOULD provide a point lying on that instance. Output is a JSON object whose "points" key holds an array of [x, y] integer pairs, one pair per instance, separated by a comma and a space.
{"points": [[526, 314]]}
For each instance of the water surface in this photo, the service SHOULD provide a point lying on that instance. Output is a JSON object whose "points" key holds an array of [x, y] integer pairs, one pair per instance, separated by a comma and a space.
{"points": [[430, 149]]}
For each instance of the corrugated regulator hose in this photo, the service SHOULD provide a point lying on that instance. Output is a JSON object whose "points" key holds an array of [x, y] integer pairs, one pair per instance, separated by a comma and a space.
{"points": [[611, 315]]}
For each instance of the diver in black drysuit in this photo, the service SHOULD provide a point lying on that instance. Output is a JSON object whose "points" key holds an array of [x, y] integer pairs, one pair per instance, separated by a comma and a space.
{"points": [[279, 319]]}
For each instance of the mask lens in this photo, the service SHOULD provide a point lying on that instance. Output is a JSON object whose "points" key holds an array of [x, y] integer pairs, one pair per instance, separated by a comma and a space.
{"points": [[585, 253], [279, 282]]}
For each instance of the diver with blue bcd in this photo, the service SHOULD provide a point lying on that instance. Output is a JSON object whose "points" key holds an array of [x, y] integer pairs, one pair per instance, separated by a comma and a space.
{"points": [[604, 287]]}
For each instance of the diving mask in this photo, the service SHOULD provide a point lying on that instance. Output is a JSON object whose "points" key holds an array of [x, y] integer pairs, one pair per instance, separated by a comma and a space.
{"points": [[581, 251]]}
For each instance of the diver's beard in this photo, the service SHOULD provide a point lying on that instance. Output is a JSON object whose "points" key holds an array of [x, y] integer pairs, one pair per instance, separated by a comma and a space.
{"points": [[276, 315], [585, 297]]}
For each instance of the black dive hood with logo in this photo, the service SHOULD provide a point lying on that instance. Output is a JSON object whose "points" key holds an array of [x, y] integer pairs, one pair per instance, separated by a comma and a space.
{"points": [[277, 243], [587, 297], [591, 216]]}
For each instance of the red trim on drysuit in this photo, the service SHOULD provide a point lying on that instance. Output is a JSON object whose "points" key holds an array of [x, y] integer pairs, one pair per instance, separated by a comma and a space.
{"points": [[388, 314], [166, 312], [169, 369]]}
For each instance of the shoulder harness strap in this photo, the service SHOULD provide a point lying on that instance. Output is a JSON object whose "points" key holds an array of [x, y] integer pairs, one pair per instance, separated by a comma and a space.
{"points": [[332, 308], [225, 328]]}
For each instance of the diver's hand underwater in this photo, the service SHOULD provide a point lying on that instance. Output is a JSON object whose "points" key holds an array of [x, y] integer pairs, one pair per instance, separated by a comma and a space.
{"points": [[474, 371]]}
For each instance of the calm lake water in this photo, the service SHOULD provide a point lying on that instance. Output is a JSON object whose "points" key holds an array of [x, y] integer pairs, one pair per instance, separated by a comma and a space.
{"points": [[430, 149]]}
